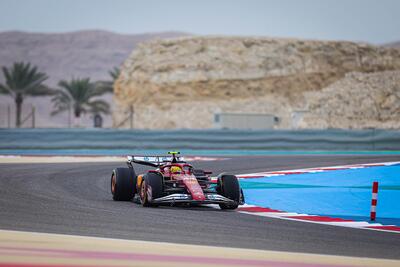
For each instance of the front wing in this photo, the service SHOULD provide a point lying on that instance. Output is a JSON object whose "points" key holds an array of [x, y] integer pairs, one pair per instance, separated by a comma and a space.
{"points": [[211, 198]]}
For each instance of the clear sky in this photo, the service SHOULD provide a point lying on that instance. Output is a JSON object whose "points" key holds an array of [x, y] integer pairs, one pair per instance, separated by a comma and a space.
{"points": [[374, 21]]}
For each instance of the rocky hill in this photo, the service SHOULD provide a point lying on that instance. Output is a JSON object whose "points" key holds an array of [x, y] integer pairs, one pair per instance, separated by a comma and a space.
{"points": [[88, 53], [63, 56], [182, 82], [359, 100], [394, 44]]}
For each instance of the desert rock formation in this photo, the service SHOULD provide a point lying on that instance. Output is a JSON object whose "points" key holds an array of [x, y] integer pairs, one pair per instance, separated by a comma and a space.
{"points": [[359, 100], [181, 83]]}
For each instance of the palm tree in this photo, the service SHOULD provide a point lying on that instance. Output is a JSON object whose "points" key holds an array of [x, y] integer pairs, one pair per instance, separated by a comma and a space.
{"points": [[78, 94], [114, 73], [22, 80], [107, 86]]}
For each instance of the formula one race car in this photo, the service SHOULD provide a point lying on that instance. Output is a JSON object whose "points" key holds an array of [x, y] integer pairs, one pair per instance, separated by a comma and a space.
{"points": [[174, 181]]}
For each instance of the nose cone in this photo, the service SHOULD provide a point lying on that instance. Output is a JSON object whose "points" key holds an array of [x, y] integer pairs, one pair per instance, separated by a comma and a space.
{"points": [[198, 195], [194, 188]]}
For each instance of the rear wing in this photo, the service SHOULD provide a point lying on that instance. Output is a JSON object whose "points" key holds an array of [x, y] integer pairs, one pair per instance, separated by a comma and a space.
{"points": [[154, 161]]}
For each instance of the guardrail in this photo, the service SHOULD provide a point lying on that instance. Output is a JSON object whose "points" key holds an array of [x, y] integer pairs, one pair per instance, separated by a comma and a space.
{"points": [[331, 140]]}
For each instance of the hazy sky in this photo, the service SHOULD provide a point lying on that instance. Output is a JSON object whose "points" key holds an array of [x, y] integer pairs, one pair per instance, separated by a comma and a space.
{"points": [[360, 20]]}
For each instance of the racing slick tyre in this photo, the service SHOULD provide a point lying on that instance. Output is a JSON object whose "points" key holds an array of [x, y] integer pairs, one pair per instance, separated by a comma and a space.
{"points": [[228, 186], [123, 181], [151, 188]]}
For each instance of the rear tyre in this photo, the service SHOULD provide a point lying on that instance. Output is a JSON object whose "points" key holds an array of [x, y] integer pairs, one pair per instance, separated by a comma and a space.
{"points": [[150, 189], [123, 184], [228, 186]]}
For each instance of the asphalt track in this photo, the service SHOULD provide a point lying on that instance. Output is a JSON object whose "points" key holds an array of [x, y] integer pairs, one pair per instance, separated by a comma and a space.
{"points": [[74, 198]]}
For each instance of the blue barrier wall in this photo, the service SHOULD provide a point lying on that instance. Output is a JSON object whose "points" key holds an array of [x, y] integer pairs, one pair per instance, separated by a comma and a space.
{"points": [[305, 140]]}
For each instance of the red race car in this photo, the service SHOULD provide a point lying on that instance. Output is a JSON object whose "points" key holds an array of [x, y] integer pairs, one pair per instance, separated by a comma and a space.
{"points": [[174, 181]]}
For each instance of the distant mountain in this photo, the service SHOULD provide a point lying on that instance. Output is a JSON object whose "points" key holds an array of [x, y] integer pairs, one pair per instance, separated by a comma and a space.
{"points": [[209, 75], [89, 53], [394, 44], [63, 56]]}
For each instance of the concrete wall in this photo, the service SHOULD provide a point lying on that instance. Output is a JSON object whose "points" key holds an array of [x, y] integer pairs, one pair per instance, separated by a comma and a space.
{"points": [[244, 121]]}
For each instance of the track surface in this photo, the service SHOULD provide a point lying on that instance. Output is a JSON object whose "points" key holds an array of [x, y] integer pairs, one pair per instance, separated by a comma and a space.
{"points": [[74, 198]]}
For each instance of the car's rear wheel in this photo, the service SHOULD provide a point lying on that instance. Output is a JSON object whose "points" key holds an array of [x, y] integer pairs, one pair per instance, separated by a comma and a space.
{"points": [[228, 186], [123, 184], [151, 188]]}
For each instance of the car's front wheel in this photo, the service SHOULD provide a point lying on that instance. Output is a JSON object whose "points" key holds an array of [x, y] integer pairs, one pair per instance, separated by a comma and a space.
{"points": [[228, 186], [151, 188]]}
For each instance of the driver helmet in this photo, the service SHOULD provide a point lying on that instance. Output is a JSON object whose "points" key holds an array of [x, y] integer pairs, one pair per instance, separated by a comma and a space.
{"points": [[176, 169]]}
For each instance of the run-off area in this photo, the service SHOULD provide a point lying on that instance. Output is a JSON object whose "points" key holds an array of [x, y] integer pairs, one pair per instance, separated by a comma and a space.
{"points": [[339, 193]]}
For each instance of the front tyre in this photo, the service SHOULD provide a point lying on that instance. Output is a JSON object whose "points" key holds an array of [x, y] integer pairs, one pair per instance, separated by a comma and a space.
{"points": [[151, 188], [123, 184], [228, 186]]}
